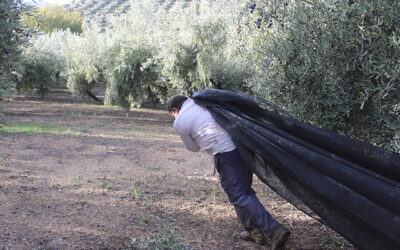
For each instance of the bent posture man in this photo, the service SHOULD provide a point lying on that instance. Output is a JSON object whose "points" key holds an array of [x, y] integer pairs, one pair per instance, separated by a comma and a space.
{"points": [[199, 131]]}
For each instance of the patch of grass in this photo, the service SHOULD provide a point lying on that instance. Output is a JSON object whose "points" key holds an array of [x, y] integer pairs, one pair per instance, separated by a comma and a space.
{"points": [[149, 202], [32, 128], [109, 186], [193, 218], [333, 244], [167, 239], [134, 192], [214, 195]]}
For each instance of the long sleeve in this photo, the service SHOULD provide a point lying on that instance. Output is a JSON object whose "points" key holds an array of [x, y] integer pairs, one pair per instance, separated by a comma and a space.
{"points": [[189, 142]]}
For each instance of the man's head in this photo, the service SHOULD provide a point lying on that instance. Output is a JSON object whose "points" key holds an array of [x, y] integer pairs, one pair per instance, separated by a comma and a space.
{"points": [[174, 104]]}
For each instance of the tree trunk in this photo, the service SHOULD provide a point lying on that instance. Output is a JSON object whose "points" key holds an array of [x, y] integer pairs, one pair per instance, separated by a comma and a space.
{"points": [[93, 96]]}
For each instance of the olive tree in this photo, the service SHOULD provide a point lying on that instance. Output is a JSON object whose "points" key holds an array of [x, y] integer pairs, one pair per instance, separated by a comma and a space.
{"points": [[51, 18], [12, 36], [334, 64], [199, 52], [42, 63], [83, 60]]}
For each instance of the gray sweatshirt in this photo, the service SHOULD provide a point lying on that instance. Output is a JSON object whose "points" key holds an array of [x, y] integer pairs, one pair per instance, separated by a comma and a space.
{"points": [[199, 131]]}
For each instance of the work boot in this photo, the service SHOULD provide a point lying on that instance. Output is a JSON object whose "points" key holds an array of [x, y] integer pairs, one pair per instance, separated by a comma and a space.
{"points": [[279, 237], [253, 235]]}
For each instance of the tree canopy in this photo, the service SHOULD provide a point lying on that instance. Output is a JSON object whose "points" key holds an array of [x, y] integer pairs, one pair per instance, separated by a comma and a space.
{"points": [[12, 36], [53, 17], [334, 64]]}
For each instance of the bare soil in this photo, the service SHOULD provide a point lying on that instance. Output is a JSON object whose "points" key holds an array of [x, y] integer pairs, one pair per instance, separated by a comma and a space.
{"points": [[97, 177]]}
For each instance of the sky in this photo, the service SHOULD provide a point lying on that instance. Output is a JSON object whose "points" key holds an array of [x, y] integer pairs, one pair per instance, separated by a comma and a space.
{"points": [[43, 2]]}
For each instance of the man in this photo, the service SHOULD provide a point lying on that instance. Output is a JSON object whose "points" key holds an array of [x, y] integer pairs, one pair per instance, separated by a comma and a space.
{"points": [[199, 131]]}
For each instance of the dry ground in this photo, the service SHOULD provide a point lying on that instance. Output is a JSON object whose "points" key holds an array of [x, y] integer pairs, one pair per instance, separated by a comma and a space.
{"points": [[76, 175]]}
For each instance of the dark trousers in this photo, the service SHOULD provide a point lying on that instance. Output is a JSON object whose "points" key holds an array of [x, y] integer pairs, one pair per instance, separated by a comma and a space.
{"points": [[236, 179]]}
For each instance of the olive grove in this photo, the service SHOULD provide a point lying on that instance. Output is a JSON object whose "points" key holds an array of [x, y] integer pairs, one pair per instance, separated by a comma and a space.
{"points": [[334, 64]]}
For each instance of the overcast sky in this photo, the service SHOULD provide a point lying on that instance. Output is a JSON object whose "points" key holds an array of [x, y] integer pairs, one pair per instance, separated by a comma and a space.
{"points": [[41, 2]]}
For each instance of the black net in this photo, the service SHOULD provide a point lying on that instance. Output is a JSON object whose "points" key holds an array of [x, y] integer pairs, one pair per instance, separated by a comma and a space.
{"points": [[351, 186]]}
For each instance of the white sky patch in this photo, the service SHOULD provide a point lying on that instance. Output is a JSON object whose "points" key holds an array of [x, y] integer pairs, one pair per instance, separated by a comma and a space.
{"points": [[44, 2]]}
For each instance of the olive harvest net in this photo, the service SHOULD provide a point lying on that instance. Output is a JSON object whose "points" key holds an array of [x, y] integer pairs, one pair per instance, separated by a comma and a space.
{"points": [[351, 186]]}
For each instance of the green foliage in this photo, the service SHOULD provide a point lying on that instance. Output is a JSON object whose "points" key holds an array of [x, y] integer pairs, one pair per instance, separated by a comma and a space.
{"points": [[333, 243], [163, 240], [181, 68], [134, 192], [31, 128], [36, 72], [204, 62], [53, 17], [202, 57], [41, 63], [12, 35], [83, 56], [150, 54], [128, 80], [35, 75], [333, 63], [214, 195]]}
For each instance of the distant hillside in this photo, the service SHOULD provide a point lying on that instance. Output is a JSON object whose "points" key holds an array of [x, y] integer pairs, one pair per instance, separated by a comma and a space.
{"points": [[101, 9]]}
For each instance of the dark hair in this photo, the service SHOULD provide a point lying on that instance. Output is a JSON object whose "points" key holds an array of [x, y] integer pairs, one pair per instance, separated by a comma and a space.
{"points": [[176, 102]]}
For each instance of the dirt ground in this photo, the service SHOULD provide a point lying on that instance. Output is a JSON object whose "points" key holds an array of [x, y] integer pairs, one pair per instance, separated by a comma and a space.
{"points": [[78, 175]]}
